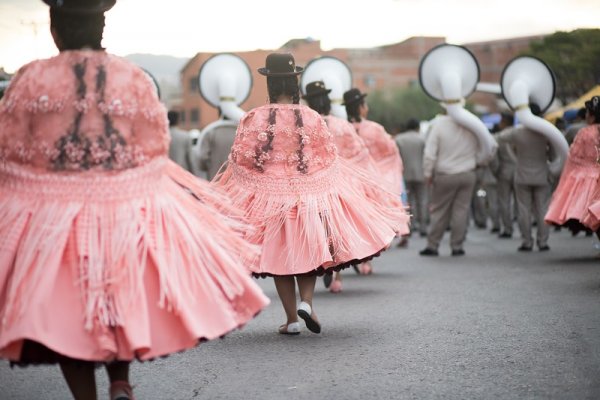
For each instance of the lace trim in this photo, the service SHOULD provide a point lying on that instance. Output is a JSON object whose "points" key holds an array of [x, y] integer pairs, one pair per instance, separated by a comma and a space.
{"points": [[124, 155], [97, 187], [317, 183], [115, 107]]}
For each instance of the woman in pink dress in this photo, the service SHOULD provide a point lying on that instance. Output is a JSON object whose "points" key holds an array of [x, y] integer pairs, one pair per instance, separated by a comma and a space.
{"points": [[591, 218], [309, 205], [349, 145], [382, 147], [577, 189], [109, 252]]}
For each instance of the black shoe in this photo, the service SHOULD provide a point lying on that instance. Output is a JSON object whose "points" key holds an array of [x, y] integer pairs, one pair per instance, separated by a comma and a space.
{"points": [[544, 248], [524, 248], [505, 235], [495, 230], [327, 278], [403, 242], [458, 252], [428, 252], [423, 234]]}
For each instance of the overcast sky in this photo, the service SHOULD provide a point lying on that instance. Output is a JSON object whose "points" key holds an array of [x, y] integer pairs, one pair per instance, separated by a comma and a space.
{"points": [[184, 27]]}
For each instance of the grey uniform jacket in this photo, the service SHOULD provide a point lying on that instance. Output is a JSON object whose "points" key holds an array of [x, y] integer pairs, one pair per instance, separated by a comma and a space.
{"points": [[533, 153], [216, 146], [180, 148], [411, 145]]}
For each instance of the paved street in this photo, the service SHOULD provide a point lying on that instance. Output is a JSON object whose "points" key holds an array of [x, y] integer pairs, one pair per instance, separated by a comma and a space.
{"points": [[495, 324]]}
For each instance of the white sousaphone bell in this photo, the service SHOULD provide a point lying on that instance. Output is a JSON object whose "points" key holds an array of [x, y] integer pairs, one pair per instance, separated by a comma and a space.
{"points": [[450, 73], [526, 80], [225, 81], [335, 74]]}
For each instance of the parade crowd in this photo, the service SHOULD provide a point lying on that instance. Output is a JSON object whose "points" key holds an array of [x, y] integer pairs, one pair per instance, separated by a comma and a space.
{"points": [[149, 245]]}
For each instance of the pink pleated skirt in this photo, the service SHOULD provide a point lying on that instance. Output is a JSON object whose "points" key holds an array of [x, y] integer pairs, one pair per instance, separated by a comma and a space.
{"points": [[307, 224], [119, 266], [574, 193]]}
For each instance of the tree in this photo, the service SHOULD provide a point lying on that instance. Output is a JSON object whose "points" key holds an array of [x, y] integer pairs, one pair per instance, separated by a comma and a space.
{"points": [[575, 59], [392, 108]]}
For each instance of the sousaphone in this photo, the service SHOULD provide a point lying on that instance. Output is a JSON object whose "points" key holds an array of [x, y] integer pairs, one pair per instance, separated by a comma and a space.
{"points": [[335, 74], [526, 80], [225, 81], [450, 73]]}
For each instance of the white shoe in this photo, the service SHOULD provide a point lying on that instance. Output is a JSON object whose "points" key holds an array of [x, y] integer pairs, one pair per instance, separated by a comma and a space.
{"points": [[290, 329], [305, 312]]}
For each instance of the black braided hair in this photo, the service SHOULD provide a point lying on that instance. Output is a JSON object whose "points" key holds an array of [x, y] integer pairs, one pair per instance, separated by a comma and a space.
{"points": [[321, 104], [77, 31], [353, 110], [268, 146], [112, 137], [283, 86], [277, 87], [73, 136], [302, 166]]}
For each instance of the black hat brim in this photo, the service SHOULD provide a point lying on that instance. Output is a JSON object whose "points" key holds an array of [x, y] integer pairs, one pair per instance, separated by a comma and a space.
{"points": [[265, 72], [101, 7], [356, 99]]}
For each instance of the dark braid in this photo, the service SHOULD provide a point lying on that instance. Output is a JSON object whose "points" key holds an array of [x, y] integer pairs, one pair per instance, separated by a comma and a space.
{"points": [[352, 110], [260, 151], [65, 143], [112, 137], [283, 86], [320, 104], [277, 87], [302, 164]]}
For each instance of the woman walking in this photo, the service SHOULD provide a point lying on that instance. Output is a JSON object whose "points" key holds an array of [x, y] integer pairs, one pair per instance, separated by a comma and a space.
{"points": [[109, 252], [308, 205]]}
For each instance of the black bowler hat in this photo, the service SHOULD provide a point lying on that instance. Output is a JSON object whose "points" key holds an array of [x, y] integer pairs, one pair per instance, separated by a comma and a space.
{"points": [[593, 106], [315, 89], [353, 95], [280, 64], [81, 6]]}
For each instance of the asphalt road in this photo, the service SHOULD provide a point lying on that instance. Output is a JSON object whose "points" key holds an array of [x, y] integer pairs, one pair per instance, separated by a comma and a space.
{"points": [[494, 324]]}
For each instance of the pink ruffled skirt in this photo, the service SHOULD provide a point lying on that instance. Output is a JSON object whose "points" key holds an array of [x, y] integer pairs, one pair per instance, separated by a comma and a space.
{"points": [[574, 193], [333, 218], [103, 267]]}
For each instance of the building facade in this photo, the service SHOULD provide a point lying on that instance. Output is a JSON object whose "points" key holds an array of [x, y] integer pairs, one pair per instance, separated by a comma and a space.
{"points": [[379, 68]]}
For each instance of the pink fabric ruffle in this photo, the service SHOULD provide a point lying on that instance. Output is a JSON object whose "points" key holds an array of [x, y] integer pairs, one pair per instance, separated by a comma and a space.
{"points": [[592, 218], [384, 152], [325, 219], [136, 264]]}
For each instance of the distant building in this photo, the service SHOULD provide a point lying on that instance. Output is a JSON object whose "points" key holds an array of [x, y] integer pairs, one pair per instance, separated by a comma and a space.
{"points": [[384, 67]]}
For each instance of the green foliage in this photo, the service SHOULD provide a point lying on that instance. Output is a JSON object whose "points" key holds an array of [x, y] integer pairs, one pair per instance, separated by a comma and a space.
{"points": [[392, 108], [575, 59]]}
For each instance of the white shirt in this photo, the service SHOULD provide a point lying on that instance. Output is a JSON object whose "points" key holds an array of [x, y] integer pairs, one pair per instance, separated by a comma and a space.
{"points": [[449, 149]]}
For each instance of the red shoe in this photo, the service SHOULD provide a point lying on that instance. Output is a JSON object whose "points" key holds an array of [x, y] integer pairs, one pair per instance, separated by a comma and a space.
{"points": [[336, 287], [366, 269]]}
